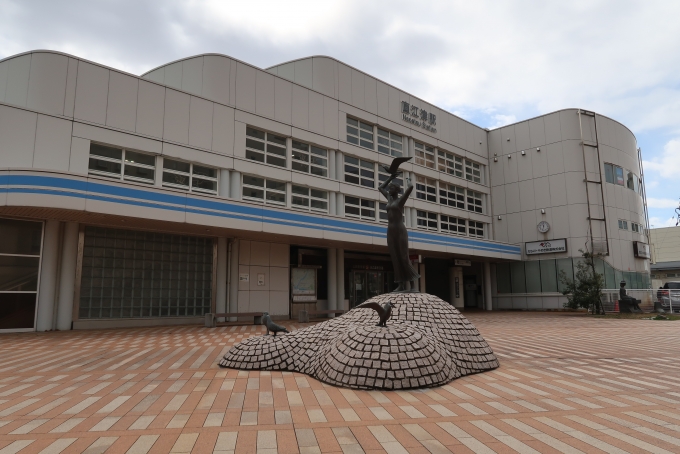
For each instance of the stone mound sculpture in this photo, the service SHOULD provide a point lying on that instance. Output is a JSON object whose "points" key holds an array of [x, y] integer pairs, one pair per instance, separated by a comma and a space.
{"points": [[426, 343]]}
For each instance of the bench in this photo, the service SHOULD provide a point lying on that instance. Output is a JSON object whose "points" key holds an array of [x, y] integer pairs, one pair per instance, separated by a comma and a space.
{"points": [[329, 312], [211, 319]]}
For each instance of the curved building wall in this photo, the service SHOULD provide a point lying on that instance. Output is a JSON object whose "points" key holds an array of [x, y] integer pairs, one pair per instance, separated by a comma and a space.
{"points": [[538, 173]]}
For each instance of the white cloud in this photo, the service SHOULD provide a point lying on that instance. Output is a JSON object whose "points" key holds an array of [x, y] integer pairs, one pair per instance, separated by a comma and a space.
{"points": [[653, 202], [502, 120], [668, 165], [657, 223]]}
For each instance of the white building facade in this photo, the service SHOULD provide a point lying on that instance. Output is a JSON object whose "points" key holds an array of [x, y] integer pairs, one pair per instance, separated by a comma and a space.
{"points": [[211, 186]]}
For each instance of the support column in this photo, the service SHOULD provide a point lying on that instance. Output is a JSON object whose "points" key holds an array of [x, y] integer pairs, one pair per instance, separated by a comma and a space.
{"points": [[69, 259], [332, 206], [48, 276], [331, 165], [332, 279], [340, 204], [340, 279], [233, 277], [457, 287], [422, 284], [488, 301], [414, 218], [235, 183], [221, 287], [159, 171], [407, 217], [224, 185], [339, 166]]}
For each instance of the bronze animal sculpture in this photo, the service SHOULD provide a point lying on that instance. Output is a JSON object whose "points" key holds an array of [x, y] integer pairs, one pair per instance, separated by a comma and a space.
{"points": [[271, 326], [397, 235], [384, 311]]}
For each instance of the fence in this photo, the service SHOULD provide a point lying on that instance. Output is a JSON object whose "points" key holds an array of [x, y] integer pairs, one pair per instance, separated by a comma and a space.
{"points": [[650, 300]]}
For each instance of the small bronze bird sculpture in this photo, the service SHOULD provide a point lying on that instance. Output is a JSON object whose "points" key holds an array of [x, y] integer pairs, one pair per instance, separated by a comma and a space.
{"points": [[396, 162], [384, 311], [271, 326]]}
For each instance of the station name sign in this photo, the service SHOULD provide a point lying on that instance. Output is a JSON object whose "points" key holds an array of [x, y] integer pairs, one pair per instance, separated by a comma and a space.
{"points": [[546, 247], [418, 117], [641, 250]]}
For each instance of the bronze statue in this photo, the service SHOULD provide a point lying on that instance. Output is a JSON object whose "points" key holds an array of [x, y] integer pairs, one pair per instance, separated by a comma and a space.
{"points": [[397, 236], [384, 311]]}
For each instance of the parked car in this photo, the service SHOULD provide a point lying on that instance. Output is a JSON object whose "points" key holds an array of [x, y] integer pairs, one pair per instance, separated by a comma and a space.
{"points": [[669, 294]]}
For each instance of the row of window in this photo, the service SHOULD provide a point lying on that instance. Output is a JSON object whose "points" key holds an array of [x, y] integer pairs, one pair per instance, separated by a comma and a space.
{"points": [[661, 276], [634, 226], [428, 220], [139, 167], [450, 195], [361, 134], [273, 192], [543, 276], [617, 175]]}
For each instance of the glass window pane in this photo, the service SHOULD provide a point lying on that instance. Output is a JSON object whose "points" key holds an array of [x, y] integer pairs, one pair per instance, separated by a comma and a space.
{"points": [[139, 172], [18, 274], [107, 152], [548, 276], [300, 190], [17, 310], [205, 185], [609, 277], [567, 266], [517, 278], [253, 181], [176, 165], [140, 158], [252, 132], [99, 165], [276, 139], [532, 270], [20, 237], [503, 278], [609, 173], [205, 171], [300, 145], [277, 185], [176, 179]]}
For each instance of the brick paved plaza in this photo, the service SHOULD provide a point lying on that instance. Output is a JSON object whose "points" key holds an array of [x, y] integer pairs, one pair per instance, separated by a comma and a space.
{"points": [[566, 384]]}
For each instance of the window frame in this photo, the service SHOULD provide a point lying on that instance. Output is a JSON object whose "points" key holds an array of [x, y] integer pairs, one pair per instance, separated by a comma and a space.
{"points": [[446, 222], [123, 162], [425, 220], [310, 198], [474, 201], [363, 134], [268, 157], [426, 189], [388, 145], [459, 199], [474, 227], [265, 191], [450, 163], [475, 171], [311, 153], [190, 186], [426, 155], [362, 205], [362, 171]]}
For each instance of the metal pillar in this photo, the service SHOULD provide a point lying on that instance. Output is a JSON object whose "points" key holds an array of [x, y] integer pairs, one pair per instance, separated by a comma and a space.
{"points": [[67, 278]]}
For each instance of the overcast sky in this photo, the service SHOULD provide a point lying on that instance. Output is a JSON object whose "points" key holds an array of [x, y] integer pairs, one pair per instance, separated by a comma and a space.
{"points": [[492, 63]]}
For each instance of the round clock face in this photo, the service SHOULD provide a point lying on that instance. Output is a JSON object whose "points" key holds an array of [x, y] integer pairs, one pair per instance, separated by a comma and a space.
{"points": [[543, 227]]}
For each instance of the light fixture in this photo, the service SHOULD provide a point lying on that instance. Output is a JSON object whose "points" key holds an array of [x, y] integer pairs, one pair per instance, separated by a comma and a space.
{"points": [[538, 149], [495, 154], [495, 159], [542, 211], [509, 156], [523, 153], [508, 139], [499, 217]]}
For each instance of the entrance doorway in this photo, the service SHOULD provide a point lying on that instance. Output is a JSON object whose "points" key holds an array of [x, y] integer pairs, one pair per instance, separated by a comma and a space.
{"points": [[470, 291], [365, 285]]}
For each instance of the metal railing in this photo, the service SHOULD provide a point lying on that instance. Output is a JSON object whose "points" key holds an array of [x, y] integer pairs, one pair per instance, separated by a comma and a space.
{"points": [[650, 300]]}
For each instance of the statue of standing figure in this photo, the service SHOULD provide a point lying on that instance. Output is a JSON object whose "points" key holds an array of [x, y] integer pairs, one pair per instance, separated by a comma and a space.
{"points": [[397, 235]]}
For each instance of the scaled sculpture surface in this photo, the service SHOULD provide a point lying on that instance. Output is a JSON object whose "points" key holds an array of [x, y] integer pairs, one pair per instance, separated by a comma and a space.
{"points": [[426, 343]]}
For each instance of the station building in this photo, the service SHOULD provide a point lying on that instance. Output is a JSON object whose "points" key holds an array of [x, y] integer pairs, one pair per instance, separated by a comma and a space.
{"points": [[211, 185]]}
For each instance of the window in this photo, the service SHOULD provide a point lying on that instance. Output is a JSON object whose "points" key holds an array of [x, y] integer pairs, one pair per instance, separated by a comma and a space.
{"points": [[451, 195], [424, 155], [310, 199], [426, 189], [260, 190], [390, 143], [265, 147], [609, 173], [358, 171], [127, 273], [636, 184], [623, 225], [635, 227], [191, 177], [474, 201], [450, 163], [426, 220], [476, 229], [359, 208], [618, 171], [310, 159], [122, 164], [473, 171], [453, 225], [359, 133]]}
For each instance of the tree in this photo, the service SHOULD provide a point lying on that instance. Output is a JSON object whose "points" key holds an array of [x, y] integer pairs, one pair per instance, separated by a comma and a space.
{"points": [[585, 290]]}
